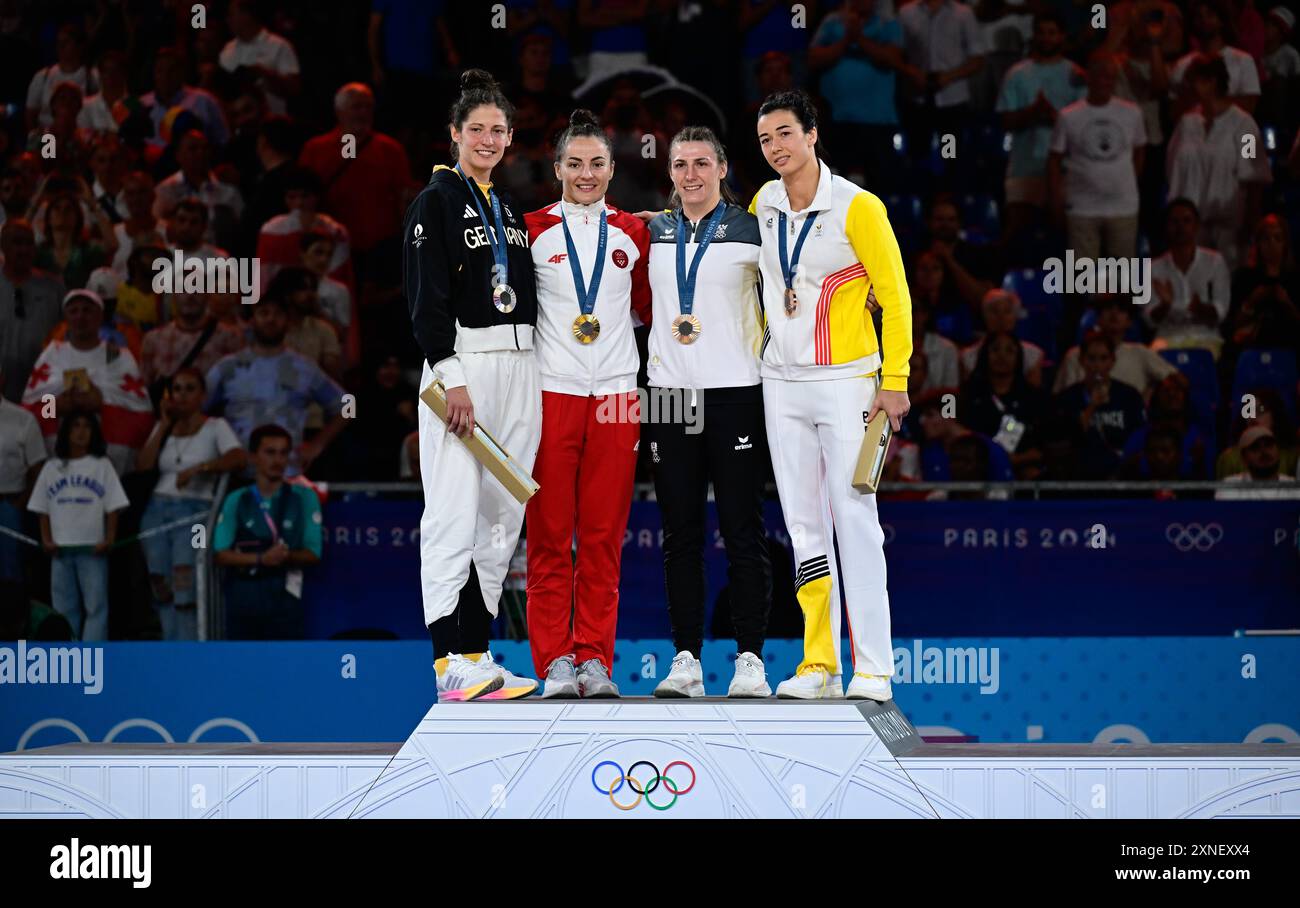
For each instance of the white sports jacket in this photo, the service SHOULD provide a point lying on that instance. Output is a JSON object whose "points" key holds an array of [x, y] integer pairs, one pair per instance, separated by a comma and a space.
{"points": [[608, 365], [850, 249], [726, 303]]}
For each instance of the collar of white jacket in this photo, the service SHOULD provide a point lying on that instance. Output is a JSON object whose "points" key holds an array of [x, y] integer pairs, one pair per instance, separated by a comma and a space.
{"points": [[575, 210]]}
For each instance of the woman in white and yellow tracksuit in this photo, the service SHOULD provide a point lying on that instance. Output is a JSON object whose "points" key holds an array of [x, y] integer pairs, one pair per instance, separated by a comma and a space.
{"points": [[824, 375]]}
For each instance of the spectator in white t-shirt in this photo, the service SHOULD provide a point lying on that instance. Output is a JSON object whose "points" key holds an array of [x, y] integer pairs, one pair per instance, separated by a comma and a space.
{"points": [[1259, 451], [1191, 286], [270, 57], [1096, 155], [1217, 159], [70, 46], [78, 496], [1208, 21], [22, 451], [941, 357], [1135, 364], [1281, 59], [104, 111], [190, 450], [1002, 312]]}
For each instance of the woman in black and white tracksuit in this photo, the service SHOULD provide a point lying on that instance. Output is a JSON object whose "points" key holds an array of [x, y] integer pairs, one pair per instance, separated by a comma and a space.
{"points": [[472, 294], [706, 409]]}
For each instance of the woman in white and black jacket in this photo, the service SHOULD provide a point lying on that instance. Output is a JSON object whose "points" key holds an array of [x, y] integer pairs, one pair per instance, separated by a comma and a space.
{"points": [[706, 397], [470, 287]]}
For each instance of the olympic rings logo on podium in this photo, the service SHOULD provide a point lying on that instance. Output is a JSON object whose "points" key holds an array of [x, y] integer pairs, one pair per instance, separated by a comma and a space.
{"points": [[642, 792]]}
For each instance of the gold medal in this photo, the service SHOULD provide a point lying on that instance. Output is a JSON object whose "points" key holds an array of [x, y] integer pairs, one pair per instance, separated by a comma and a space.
{"points": [[586, 328], [686, 328], [791, 302]]}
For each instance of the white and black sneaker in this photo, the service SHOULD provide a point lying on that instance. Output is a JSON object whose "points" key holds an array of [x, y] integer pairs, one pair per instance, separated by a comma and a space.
{"points": [[750, 679], [685, 678]]}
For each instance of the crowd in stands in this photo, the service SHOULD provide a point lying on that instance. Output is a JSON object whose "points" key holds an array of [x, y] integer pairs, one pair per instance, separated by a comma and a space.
{"points": [[1001, 136]]}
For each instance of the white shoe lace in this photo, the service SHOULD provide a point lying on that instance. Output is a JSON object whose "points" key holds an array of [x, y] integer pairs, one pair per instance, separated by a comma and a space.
{"points": [[593, 667], [681, 661], [560, 669], [749, 664]]}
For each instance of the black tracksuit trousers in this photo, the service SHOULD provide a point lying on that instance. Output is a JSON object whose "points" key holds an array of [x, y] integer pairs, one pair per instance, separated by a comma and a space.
{"points": [[722, 439]]}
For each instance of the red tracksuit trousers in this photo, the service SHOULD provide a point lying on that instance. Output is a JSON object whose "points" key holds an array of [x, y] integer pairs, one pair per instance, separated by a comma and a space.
{"points": [[585, 466]]}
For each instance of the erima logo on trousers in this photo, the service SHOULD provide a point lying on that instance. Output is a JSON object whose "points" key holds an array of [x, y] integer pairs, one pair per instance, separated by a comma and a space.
{"points": [[744, 443]]}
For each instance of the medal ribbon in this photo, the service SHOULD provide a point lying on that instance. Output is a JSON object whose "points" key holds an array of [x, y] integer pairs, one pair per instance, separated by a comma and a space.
{"points": [[788, 265], [262, 508], [685, 280], [586, 297], [498, 240]]}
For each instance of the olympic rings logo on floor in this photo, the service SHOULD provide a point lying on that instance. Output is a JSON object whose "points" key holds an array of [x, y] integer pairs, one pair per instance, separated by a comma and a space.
{"points": [[642, 792]]}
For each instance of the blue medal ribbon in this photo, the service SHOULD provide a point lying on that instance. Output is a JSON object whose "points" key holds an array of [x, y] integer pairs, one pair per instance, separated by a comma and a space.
{"points": [[789, 264], [685, 279], [586, 297], [497, 241]]}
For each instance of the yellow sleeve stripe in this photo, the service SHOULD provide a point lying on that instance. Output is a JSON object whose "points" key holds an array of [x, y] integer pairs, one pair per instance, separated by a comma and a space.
{"points": [[875, 245]]}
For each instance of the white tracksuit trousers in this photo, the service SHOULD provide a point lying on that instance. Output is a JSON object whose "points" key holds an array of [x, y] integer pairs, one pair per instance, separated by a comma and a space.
{"points": [[814, 429], [467, 512]]}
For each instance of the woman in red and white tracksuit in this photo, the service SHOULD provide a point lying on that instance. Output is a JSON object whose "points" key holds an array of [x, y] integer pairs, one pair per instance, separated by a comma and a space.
{"points": [[592, 289]]}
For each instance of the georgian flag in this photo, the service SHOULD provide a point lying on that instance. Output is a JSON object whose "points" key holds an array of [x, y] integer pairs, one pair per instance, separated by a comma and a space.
{"points": [[127, 415]]}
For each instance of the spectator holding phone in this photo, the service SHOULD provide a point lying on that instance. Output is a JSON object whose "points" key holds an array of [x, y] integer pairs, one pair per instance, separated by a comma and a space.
{"points": [[189, 450], [1099, 413]]}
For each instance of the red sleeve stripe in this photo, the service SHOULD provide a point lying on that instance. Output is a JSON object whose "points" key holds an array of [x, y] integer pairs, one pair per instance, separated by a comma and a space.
{"points": [[822, 331], [540, 221]]}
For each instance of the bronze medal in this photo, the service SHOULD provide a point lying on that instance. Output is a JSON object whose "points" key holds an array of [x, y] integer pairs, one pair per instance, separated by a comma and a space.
{"points": [[686, 329], [586, 328], [791, 302]]}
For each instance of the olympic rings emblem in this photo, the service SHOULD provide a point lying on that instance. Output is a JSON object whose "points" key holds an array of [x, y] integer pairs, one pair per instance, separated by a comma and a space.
{"points": [[1193, 536], [642, 791]]}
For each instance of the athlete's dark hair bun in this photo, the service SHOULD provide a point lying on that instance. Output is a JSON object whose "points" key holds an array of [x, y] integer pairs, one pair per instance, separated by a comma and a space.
{"points": [[479, 88], [582, 118], [582, 122], [480, 79], [797, 102]]}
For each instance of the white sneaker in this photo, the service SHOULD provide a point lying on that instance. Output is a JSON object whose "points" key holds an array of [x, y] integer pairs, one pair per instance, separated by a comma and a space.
{"points": [[513, 687], [870, 687], [561, 681], [685, 678], [465, 679], [811, 683], [593, 681], [750, 679]]}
